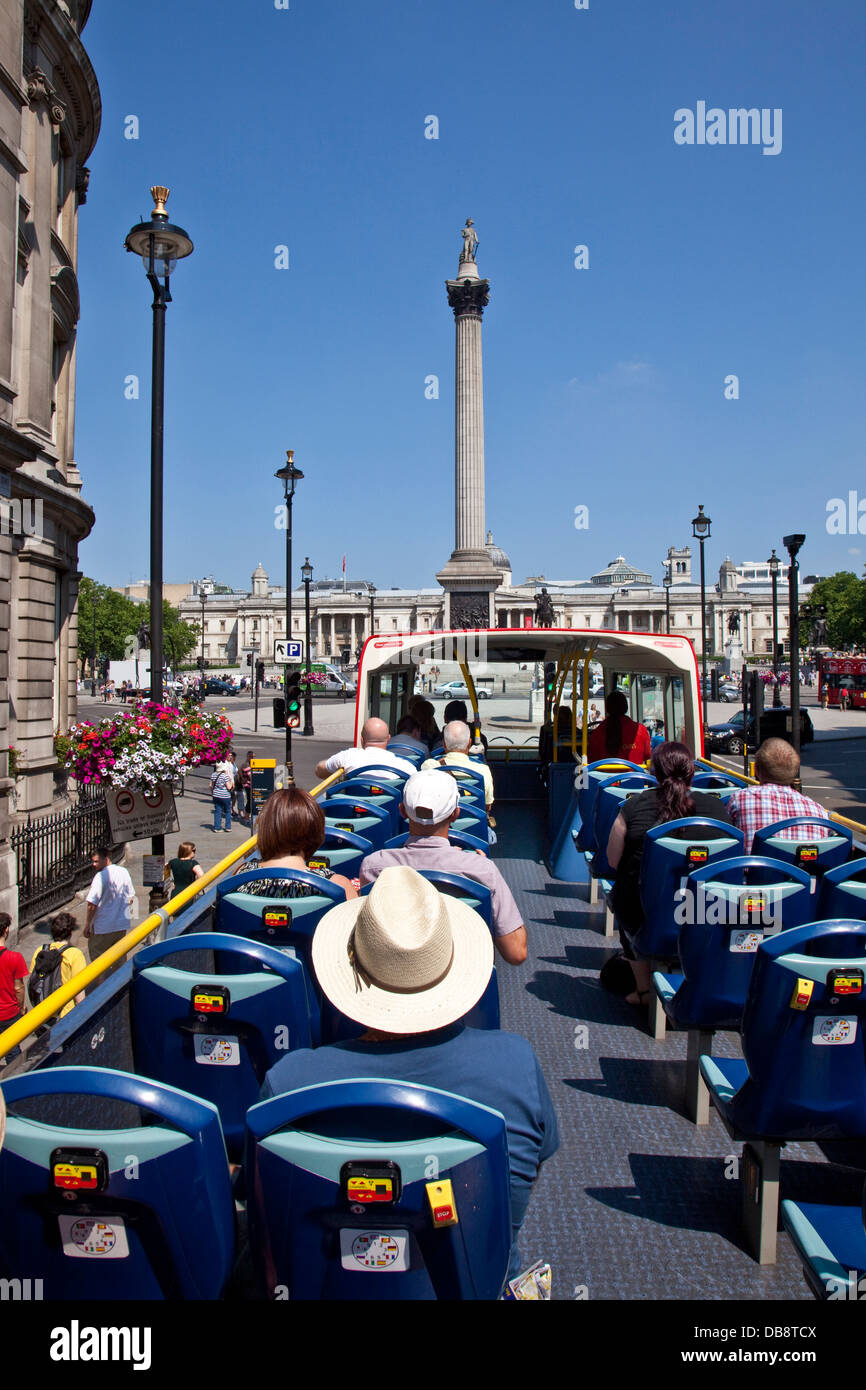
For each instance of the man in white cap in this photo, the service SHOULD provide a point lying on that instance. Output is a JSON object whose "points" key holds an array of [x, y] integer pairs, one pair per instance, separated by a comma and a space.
{"points": [[373, 751], [430, 804], [408, 962]]}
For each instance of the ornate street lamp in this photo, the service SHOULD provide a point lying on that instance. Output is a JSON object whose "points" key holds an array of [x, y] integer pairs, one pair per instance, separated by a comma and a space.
{"points": [[793, 545], [667, 583], [161, 245], [775, 564], [290, 476], [372, 598], [307, 575], [202, 595], [701, 533]]}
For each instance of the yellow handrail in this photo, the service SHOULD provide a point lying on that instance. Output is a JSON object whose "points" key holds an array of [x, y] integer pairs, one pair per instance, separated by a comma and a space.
{"points": [[51, 1005]]}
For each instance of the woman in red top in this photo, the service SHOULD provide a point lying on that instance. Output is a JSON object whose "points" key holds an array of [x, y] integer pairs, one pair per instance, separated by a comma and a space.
{"points": [[617, 736]]}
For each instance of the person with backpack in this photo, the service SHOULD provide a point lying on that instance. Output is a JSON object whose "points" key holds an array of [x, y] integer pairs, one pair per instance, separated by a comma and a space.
{"points": [[56, 963], [13, 972]]}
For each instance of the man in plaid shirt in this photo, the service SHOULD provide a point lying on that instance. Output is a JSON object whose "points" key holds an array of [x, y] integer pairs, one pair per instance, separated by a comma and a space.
{"points": [[776, 767]]}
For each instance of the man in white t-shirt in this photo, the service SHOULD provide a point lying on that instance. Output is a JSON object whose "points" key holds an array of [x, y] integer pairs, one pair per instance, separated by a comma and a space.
{"points": [[108, 903], [373, 750]]}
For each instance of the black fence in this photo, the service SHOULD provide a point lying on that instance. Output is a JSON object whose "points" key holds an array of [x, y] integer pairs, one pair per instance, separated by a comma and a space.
{"points": [[53, 853]]}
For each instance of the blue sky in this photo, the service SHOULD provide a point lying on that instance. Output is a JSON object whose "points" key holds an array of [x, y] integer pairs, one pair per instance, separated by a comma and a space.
{"points": [[604, 387]]}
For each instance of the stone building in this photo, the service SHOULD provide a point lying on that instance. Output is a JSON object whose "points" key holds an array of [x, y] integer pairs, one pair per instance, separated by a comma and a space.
{"points": [[49, 119]]}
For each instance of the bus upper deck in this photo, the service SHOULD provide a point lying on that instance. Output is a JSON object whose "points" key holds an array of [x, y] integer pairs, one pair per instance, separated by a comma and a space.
{"points": [[639, 1203]]}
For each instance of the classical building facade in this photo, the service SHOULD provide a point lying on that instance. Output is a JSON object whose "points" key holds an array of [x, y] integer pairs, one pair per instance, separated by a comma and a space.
{"points": [[621, 597], [49, 119]]}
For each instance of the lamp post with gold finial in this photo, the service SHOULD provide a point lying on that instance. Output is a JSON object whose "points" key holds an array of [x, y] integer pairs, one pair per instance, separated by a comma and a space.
{"points": [[161, 245]]}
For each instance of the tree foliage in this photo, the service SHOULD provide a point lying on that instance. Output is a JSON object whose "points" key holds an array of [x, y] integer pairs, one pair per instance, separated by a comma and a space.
{"points": [[844, 597], [107, 620]]}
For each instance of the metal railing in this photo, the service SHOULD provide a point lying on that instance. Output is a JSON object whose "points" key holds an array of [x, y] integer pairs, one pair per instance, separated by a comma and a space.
{"points": [[53, 1003], [53, 853]]}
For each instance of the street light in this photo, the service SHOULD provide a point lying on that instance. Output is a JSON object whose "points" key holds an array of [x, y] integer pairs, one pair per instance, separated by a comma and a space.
{"points": [[161, 245], [372, 597], [203, 596], [306, 575], [290, 476], [701, 532], [775, 565], [667, 583], [93, 652], [793, 545]]}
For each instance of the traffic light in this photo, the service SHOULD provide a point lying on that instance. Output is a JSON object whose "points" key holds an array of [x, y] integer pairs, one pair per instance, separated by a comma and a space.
{"points": [[549, 679], [260, 672], [279, 712], [293, 697], [249, 658], [714, 684], [756, 701]]}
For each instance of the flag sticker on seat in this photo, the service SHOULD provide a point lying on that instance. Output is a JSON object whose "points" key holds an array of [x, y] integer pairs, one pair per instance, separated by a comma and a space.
{"points": [[374, 1252], [92, 1238], [834, 1030], [216, 1052], [745, 942]]}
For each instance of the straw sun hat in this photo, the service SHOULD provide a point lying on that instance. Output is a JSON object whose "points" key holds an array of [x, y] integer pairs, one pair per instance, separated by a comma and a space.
{"points": [[404, 958]]}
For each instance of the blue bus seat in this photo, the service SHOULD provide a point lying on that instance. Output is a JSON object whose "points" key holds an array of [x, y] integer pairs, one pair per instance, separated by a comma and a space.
{"points": [[342, 851], [407, 751], [670, 852], [310, 1152], [831, 1244], [222, 1050], [455, 837], [705, 780], [472, 820], [726, 909], [368, 789], [815, 854], [74, 1218], [842, 891], [611, 796], [285, 923], [359, 817], [803, 1073], [587, 790]]}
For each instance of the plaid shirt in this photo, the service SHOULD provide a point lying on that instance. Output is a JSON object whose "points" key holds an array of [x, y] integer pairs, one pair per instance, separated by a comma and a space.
{"points": [[755, 807]]}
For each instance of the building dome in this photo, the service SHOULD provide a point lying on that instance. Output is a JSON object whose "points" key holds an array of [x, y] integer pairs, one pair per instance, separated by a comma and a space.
{"points": [[498, 558], [260, 580]]}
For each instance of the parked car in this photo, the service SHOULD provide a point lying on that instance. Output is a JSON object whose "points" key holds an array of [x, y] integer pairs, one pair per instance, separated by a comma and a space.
{"points": [[458, 690], [217, 687], [728, 737]]}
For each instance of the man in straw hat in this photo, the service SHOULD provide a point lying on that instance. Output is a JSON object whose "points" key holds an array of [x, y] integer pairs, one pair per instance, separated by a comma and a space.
{"points": [[430, 804], [407, 962]]}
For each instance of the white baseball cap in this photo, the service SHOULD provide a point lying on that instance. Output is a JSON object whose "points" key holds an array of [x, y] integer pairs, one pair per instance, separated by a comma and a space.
{"points": [[430, 797]]}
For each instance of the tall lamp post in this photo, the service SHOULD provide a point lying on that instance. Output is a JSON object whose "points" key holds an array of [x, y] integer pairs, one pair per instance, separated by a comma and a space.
{"points": [[701, 533], [203, 596], [667, 583], [290, 476], [306, 575], [775, 565], [93, 650], [372, 598], [793, 545], [161, 245]]}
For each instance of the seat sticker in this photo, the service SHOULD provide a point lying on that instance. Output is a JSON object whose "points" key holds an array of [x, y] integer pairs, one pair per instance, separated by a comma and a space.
{"points": [[745, 941], [91, 1238], [216, 1052], [374, 1251], [836, 1030]]}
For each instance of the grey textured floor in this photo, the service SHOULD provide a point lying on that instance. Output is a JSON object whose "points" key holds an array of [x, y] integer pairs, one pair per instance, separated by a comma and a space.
{"points": [[636, 1204]]}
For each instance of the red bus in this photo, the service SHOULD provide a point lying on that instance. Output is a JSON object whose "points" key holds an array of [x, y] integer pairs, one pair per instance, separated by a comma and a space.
{"points": [[842, 682]]}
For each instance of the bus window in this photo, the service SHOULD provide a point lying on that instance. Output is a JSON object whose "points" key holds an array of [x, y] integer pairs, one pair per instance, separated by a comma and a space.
{"points": [[649, 698], [389, 694], [675, 710]]}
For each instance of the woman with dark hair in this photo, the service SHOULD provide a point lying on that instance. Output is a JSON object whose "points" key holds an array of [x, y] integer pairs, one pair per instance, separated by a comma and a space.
{"points": [[290, 829], [617, 736], [673, 798]]}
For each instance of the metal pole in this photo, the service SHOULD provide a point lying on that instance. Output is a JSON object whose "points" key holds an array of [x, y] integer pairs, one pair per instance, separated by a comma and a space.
{"points": [[668, 606], [290, 771], [308, 692], [161, 298], [777, 694], [201, 677], [371, 614], [255, 690], [94, 653], [703, 637], [794, 629]]}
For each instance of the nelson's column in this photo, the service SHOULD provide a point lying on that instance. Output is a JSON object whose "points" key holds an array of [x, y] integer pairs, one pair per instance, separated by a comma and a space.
{"points": [[469, 578]]}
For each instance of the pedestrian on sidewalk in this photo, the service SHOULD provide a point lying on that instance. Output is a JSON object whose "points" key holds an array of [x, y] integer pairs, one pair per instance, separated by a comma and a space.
{"points": [[56, 963], [109, 904], [238, 789], [247, 779], [185, 868], [221, 784], [13, 973]]}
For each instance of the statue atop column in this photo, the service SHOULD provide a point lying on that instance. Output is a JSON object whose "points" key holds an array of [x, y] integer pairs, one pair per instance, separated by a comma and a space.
{"points": [[470, 241], [544, 609], [734, 624]]}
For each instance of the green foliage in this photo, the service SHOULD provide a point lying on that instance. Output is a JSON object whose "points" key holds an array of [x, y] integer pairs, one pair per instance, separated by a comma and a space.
{"points": [[116, 619], [844, 596]]}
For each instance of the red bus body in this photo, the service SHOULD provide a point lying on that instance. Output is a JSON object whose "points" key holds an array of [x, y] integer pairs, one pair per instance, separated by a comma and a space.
{"points": [[838, 674]]}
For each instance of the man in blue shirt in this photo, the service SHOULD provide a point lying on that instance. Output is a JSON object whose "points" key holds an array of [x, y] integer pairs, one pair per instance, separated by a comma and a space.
{"points": [[408, 963]]}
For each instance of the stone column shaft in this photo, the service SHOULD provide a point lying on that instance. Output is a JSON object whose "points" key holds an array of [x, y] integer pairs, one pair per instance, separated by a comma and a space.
{"points": [[469, 436]]}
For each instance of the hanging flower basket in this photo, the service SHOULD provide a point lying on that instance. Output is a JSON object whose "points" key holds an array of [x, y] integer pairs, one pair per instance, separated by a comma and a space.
{"points": [[145, 746]]}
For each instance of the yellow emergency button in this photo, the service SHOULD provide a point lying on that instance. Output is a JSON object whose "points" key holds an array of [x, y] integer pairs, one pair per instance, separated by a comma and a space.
{"points": [[802, 994], [443, 1208]]}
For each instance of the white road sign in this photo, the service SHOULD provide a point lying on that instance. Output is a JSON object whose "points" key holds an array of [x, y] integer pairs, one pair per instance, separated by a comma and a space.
{"points": [[136, 815], [286, 652]]}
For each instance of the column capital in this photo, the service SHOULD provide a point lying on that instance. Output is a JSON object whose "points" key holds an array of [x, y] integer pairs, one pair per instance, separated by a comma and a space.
{"points": [[468, 298]]}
